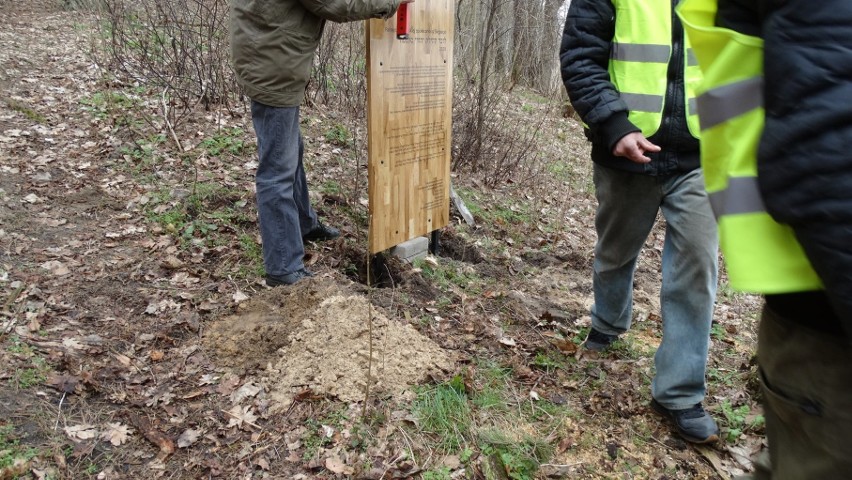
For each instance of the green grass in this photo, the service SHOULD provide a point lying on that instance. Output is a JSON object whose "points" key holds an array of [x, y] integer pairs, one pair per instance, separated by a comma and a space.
{"points": [[315, 439], [717, 331], [35, 370], [25, 111], [572, 172], [496, 212], [144, 153], [30, 377], [488, 419], [104, 104], [448, 273], [253, 253], [11, 449], [331, 188], [442, 473], [339, 135], [445, 412], [227, 141], [520, 459], [548, 361], [491, 379], [208, 216], [739, 420]]}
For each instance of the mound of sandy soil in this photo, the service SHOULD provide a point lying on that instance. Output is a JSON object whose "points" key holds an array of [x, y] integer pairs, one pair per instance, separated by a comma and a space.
{"points": [[315, 335]]}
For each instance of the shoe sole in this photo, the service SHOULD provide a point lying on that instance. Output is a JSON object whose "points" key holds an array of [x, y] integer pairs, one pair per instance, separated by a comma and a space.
{"points": [[689, 438]]}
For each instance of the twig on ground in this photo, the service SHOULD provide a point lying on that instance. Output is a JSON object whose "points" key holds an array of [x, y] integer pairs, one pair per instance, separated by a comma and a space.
{"points": [[168, 123], [59, 413], [369, 333], [7, 312]]}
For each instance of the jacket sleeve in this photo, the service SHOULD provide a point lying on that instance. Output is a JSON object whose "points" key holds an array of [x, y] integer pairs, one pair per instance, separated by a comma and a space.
{"points": [[351, 10], [744, 16], [584, 59]]}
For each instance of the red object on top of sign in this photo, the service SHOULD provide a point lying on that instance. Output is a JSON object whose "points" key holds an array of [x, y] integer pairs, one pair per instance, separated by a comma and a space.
{"points": [[403, 22]]}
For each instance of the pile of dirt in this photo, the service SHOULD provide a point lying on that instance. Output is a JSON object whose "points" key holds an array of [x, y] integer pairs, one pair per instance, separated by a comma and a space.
{"points": [[315, 336]]}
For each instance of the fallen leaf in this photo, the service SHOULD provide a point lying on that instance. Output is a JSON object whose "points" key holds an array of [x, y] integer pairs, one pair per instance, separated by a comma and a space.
{"points": [[208, 379], [241, 416], [158, 438], [157, 355], [172, 262], [72, 343], [263, 463], [508, 342], [56, 268], [81, 432], [116, 433], [565, 346], [63, 383], [248, 390], [228, 385], [34, 325], [239, 296], [188, 438], [336, 465], [453, 462], [123, 359], [18, 469]]}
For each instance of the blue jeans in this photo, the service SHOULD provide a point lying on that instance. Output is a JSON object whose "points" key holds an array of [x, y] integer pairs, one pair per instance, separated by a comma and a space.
{"points": [[627, 209], [282, 191]]}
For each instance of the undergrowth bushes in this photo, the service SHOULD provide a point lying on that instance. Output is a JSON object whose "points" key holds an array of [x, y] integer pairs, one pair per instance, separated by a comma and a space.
{"points": [[178, 50]]}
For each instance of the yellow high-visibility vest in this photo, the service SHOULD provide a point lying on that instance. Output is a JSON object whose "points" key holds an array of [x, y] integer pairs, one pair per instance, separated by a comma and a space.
{"points": [[761, 255], [639, 62]]}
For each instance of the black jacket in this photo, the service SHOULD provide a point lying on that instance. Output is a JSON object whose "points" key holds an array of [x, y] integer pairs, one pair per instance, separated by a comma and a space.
{"points": [[584, 56], [805, 152]]}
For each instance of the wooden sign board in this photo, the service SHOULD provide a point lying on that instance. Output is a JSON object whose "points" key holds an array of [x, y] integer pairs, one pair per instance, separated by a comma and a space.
{"points": [[409, 118]]}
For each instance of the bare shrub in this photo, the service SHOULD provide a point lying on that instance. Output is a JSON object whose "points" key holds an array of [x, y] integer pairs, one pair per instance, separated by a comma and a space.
{"points": [[486, 140], [179, 47], [340, 70]]}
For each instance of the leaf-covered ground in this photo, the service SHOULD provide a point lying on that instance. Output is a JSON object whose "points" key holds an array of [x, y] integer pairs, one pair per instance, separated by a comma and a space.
{"points": [[137, 339]]}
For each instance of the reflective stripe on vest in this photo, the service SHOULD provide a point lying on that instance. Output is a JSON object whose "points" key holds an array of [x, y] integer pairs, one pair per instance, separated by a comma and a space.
{"points": [[741, 196], [761, 255], [639, 60], [724, 103]]}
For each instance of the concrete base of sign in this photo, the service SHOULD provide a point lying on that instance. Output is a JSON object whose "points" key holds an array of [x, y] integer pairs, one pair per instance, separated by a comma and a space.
{"points": [[411, 250]]}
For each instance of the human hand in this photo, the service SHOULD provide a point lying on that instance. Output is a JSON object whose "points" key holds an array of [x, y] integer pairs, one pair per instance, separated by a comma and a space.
{"points": [[633, 146]]}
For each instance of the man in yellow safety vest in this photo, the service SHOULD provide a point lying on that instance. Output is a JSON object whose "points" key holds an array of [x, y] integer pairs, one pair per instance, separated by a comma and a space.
{"points": [[776, 123], [630, 74]]}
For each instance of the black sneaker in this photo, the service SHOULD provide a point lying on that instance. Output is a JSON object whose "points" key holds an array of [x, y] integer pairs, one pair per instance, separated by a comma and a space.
{"points": [[288, 279], [321, 233], [694, 424], [598, 341]]}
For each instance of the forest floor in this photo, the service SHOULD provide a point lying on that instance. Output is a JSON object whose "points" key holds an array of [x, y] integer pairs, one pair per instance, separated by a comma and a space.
{"points": [[138, 339]]}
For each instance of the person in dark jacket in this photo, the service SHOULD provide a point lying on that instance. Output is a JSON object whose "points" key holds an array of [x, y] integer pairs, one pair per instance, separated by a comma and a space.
{"points": [[804, 182], [273, 44], [629, 74]]}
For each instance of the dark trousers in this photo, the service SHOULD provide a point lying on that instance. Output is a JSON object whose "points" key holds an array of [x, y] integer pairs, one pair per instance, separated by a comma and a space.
{"points": [[807, 386]]}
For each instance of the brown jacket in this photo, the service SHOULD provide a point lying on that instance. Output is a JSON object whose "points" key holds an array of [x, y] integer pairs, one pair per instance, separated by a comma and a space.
{"points": [[273, 42]]}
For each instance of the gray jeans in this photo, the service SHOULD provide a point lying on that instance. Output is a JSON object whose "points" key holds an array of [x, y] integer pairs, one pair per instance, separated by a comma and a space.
{"points": [[282, 191], [627, 209]]}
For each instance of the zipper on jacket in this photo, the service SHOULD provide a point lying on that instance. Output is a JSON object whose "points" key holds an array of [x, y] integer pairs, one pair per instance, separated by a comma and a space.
{"points": [[673, 77]]}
